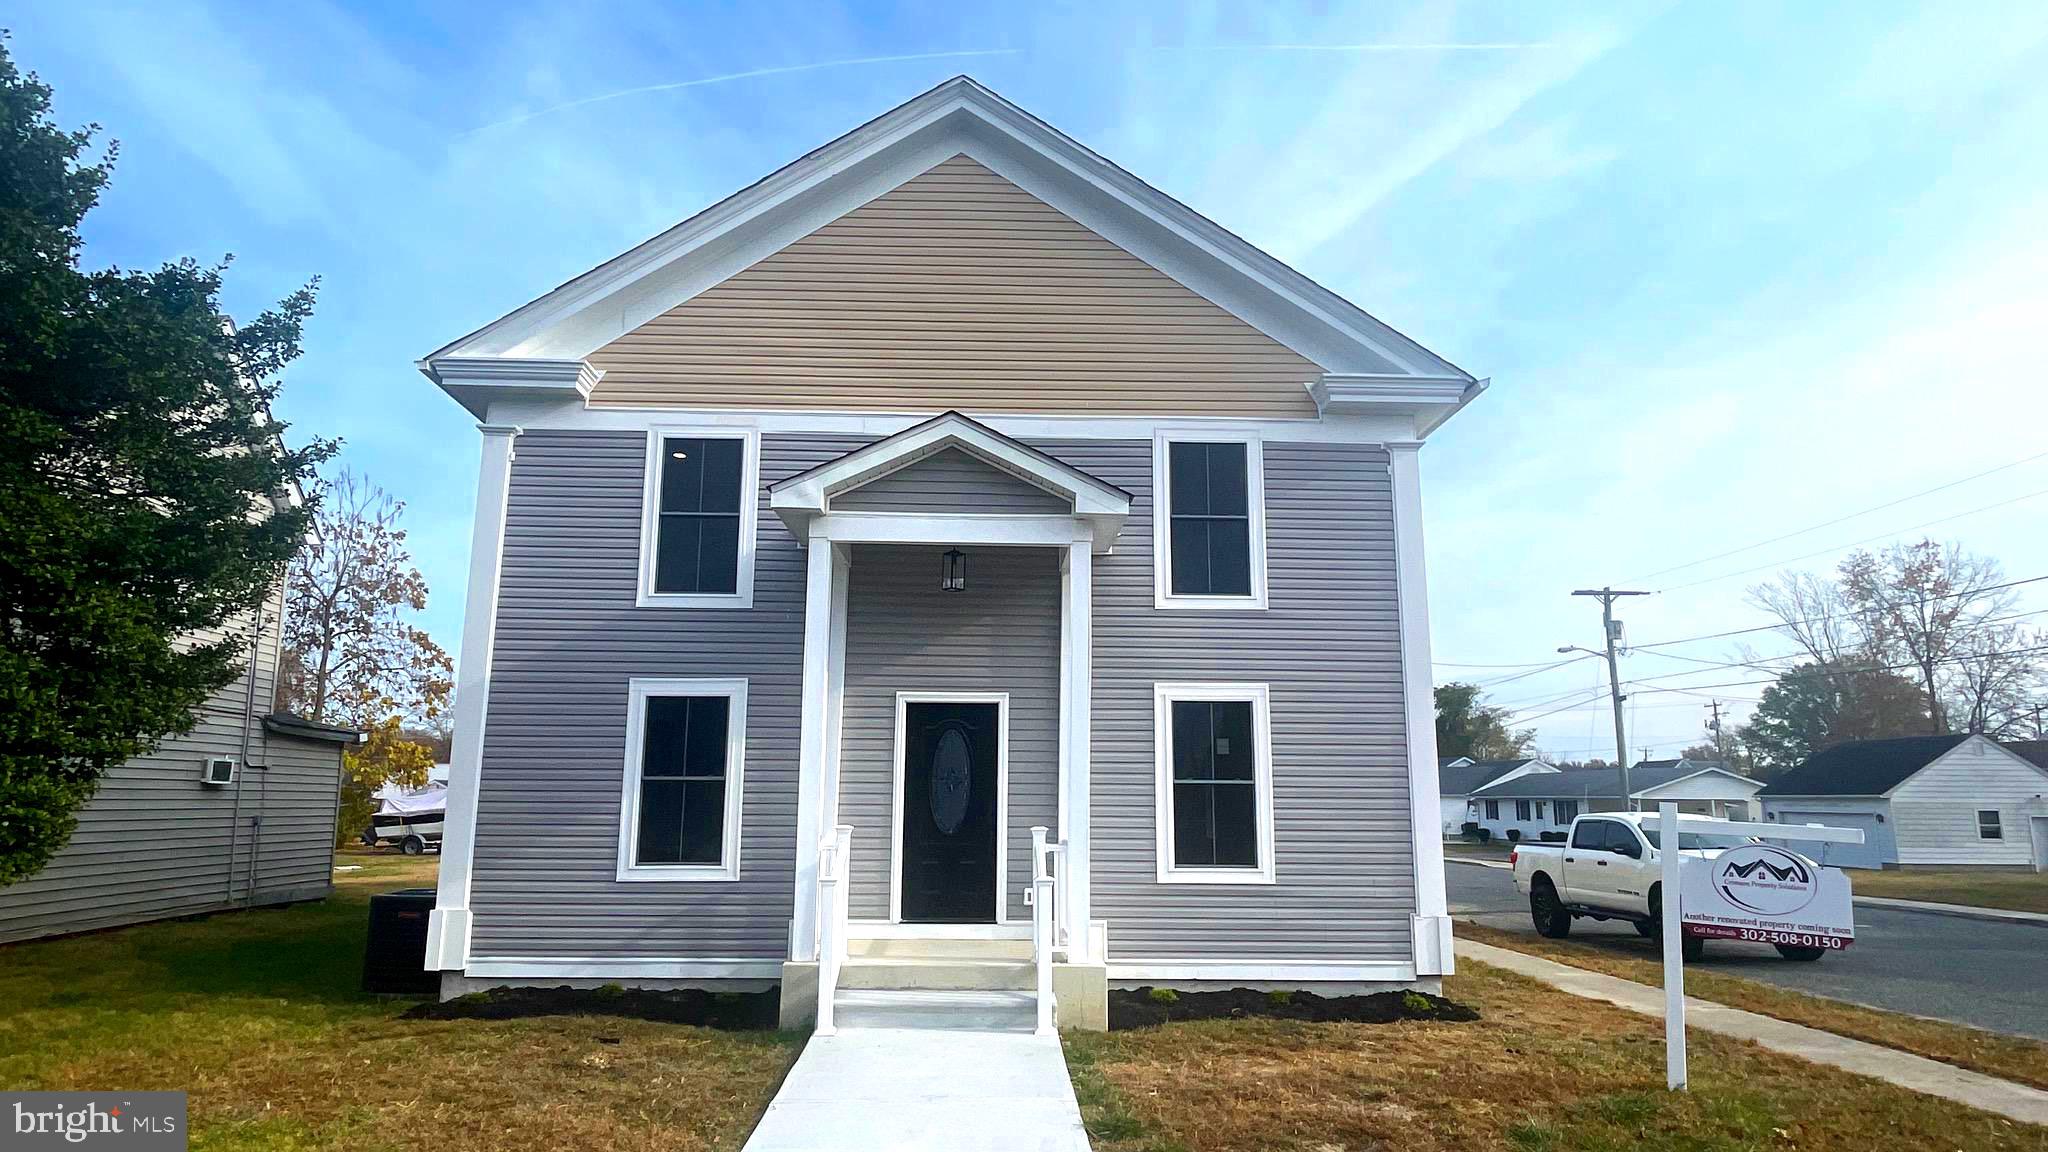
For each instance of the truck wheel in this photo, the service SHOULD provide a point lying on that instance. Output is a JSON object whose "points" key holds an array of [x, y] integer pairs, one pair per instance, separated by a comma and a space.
{"points": [[1690, 947], [1553, 919], [1795, 952], [1646, 930], [412, 845]]}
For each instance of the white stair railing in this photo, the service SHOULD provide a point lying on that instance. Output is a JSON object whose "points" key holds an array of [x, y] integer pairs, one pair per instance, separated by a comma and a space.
{"points": [[1042, 931], [1063, 933], [832, 863]]}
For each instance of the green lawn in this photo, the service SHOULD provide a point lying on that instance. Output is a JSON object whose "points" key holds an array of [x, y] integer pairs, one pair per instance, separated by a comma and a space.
{"points": [[257, 1015], [2019, 891], [1541, 1071]]}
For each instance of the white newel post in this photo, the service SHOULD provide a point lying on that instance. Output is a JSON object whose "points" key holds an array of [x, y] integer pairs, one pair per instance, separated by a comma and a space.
{"points": [[1673, 929], [448, 926], [1074, 911], [1432, 922], [1043, 909], [812, 766]]}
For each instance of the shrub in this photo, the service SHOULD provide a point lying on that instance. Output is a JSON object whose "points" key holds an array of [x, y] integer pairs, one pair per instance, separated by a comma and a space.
{"points": [[1279, 997], [1485, 835], [1470, 829], [1514, 835], [1164, 996]]}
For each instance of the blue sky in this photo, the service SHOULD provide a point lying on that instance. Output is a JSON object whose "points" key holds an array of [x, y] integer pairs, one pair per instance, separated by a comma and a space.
{"points": [[1734, 269]]}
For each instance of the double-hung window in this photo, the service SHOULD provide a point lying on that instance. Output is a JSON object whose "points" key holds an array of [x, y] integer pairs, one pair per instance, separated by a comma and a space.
{"points": [[1521, 809], [1989, 827], [1493, 809], [684, 764], [1565, 812], [1209, 521], [1215, 783], [697, 531]]}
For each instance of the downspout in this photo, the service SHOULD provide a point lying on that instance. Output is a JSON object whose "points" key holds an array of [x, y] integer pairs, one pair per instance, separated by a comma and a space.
{"points": [[242, 757]]}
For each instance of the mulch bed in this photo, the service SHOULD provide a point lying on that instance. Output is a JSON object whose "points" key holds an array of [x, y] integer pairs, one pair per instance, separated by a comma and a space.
{"points": [[727, 1011], [1145, 1007]]}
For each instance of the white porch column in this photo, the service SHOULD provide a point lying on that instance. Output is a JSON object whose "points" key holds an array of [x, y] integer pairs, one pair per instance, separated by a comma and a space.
{"points": [[824, 591], [1077, 681], [448, 925], [1432, 924]]}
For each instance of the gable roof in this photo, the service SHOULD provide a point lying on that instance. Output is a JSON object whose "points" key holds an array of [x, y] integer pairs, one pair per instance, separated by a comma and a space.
{"points": [[1863, 767], [1365, 360], [1462, 779], [803, 497], [2034, 752], [1581, 783]]}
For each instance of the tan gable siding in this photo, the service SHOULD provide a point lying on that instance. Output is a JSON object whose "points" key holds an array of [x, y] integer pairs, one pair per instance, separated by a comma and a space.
{"points": [[956, 290]]}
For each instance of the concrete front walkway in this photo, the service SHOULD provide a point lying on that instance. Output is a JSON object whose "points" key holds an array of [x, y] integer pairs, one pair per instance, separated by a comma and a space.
{"points": [[927, 1070], [1918, 1073]]}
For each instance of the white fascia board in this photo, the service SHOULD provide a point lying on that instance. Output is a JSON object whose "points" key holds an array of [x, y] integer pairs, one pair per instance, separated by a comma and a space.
{"points": [[1736, 776], [477, 382], [1428, 400], [958, 117]]}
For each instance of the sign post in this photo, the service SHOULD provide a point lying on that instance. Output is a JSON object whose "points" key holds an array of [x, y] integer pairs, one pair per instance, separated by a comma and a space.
{"points": [[1762, 894]]}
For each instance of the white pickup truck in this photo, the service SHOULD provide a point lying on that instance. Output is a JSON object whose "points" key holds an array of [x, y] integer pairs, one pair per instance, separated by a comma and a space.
{"points": [[1608, 869]]}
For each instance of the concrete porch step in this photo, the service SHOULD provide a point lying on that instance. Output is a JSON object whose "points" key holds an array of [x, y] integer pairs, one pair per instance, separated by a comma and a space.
{"points": [[926, 948], [948, 974], [958, 1011]]}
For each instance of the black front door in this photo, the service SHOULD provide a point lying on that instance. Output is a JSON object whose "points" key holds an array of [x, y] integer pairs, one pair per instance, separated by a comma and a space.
{"points": [[949, 813]]}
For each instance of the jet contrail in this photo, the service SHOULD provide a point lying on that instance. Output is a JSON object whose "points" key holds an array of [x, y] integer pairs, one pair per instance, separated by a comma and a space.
{"points": [[748, 75]]}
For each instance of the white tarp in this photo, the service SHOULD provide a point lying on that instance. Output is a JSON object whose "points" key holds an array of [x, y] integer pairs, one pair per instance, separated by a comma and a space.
{"points": [[1763, 893], [432, 798]]}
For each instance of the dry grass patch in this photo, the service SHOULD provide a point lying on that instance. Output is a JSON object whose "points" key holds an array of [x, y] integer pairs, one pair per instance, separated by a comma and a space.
{"points": [[2018, 891], [257, 1016], [1540, 1071], [2012, 1057]]}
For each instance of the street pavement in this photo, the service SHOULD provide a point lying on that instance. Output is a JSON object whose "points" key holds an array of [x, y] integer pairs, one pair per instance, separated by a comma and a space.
{"points": [[1984, 973]]}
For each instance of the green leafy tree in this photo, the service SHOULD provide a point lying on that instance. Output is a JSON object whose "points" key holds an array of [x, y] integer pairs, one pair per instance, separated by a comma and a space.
{"points": [[138, 469], [1813, 707], [352, 652], [1467, 727]]}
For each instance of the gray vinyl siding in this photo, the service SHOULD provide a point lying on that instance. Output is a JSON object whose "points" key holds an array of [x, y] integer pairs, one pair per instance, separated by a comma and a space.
{"points": [[951, 481], [1002, 634], [1329, 647], [568, 639], [154, 842]]}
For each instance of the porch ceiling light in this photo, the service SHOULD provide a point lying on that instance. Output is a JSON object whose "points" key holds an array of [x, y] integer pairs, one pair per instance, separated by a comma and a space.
{"points": [[953, 574]]}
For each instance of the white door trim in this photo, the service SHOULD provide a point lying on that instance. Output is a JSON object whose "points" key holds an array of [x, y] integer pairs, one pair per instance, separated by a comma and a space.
{"points": [[1002, 702]]}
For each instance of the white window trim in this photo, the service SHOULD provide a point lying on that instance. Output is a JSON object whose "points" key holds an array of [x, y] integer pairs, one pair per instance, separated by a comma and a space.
{"points": [[742, 595], [1260, 696], [903, 702], [640, 689], [1996, 826], [1162, 520]]}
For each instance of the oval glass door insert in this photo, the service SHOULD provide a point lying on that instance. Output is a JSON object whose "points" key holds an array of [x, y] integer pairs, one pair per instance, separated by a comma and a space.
{"points": [[952, 777]]}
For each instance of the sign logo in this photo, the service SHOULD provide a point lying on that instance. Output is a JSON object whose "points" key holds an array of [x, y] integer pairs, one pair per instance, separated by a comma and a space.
{"points": [[1765, 880], [139, 1121]]}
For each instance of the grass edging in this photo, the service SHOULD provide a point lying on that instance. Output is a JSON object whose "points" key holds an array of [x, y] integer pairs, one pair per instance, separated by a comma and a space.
{"points": [[2014, 1058]]}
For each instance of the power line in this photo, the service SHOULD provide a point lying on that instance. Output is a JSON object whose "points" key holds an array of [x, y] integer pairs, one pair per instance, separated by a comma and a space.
{"points": [[1851, 544], [1819, 619], [1841, 519]]}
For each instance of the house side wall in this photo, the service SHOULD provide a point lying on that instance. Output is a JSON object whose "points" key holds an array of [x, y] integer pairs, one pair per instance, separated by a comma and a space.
{"points": [[1001, 634], [956, 289], [568, 639], [1871, 813], [1936, 809], [949, 482], [154, 842], [1329, 647]]}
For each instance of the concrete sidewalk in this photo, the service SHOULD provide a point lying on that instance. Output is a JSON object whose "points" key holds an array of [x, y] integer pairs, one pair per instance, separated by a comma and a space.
{"points": [[927, 1070], [2015, 1101]]}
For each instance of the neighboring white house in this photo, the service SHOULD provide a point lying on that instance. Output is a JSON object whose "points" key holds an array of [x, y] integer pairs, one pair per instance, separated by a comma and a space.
{"points": [[1534, 803], [1924, 800], [1458, 778]]}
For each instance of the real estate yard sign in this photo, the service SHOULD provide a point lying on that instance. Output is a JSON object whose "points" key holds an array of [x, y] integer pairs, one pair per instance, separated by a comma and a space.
{"points": [[1767, 895]]}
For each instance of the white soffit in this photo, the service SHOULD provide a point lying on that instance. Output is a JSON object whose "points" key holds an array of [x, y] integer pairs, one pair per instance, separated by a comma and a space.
{"points": [[955, 118]]}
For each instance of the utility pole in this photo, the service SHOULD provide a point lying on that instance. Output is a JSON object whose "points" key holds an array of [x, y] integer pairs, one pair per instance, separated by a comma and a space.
{"points": [[1607, 598], [1714, 725]]}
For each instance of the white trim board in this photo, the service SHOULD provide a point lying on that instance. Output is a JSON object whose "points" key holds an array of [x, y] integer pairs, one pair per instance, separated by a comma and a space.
{"points": [[605, 967], [742, 595], [1163, 596], [903, 701], [639, 690], [1275, 970], [1164, 695]]}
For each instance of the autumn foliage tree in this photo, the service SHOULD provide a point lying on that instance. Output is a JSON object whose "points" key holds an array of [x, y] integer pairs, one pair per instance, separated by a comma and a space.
{"points": [[353, 655], [140, 476], [1466, 726]]}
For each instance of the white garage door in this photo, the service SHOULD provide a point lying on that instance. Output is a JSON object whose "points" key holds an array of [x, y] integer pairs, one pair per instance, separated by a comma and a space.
{"points": [[1869, 854]]}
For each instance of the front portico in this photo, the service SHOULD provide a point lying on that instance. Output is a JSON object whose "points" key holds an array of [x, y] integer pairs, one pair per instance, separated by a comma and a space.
{"points": [[964, 677]]}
